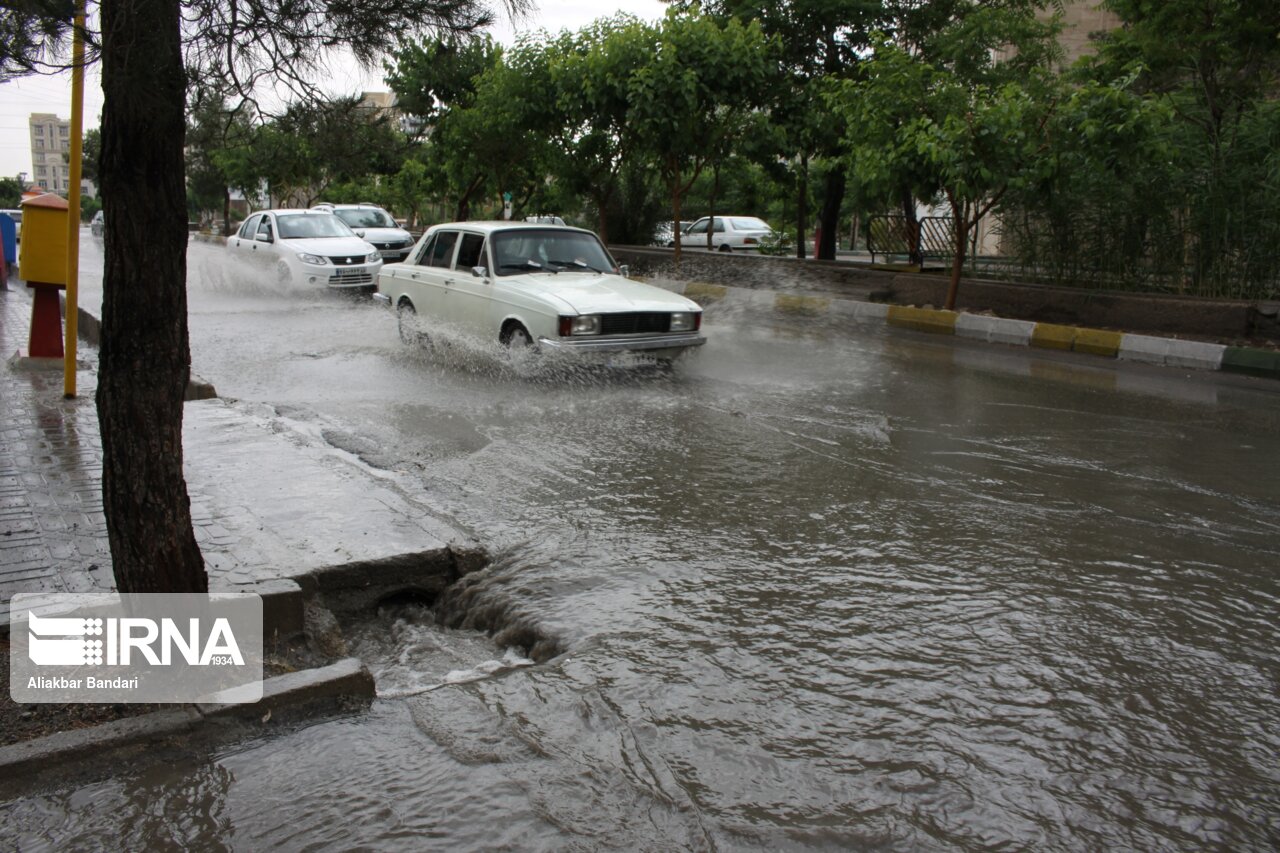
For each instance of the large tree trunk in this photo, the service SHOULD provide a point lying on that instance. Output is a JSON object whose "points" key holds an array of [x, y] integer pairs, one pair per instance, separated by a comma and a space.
{"points": [[145, 358], [832, 198]]}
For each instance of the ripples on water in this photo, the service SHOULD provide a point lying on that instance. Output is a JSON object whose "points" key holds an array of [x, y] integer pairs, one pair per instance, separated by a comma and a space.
{"points": [[874, 599]]}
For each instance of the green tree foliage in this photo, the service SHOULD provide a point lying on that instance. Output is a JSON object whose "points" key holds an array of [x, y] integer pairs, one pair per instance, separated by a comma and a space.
{"points": [[691, 93], [820, 41], [436, 85], [10, 193], [1195, 82], [966, 119]]}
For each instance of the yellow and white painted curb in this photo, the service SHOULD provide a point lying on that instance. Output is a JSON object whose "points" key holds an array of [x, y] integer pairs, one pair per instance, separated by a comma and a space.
{"points": [[1168, 352]]}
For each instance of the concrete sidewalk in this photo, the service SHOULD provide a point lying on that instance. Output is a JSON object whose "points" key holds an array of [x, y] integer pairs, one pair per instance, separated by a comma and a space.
{"points": [[263, 506]]}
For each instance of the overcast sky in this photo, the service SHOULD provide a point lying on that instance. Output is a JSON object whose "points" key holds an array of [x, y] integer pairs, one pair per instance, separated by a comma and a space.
{"points": [[20, 98]]}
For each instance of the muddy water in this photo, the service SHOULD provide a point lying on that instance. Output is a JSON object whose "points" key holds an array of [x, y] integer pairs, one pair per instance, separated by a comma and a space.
{"points": [[822, 589]]}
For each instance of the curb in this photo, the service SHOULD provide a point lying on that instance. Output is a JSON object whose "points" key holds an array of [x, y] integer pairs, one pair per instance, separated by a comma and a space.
{"points": [[343, 682], [89, 330], [1123, 346]]}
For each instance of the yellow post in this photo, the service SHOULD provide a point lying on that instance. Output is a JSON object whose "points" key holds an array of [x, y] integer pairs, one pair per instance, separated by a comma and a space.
{"points": [[73, 202]]}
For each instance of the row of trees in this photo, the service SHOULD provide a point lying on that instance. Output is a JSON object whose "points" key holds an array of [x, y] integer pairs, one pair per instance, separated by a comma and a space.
{"points": [[1152, 163]]}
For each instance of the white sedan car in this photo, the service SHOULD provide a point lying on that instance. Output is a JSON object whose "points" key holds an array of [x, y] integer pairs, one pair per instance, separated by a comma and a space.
{"points": [[728, 234], [307, 246], [546, 286]]}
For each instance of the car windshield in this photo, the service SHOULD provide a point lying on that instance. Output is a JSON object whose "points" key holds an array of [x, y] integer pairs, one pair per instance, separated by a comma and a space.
{"points": [[297, 226], [549, 250], [749, 223], [365, 217]]}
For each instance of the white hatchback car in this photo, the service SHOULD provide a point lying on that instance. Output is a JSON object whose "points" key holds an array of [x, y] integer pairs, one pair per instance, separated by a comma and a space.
{"points": [[376, 226], [729, 234], [307, 246], [551, 287]]}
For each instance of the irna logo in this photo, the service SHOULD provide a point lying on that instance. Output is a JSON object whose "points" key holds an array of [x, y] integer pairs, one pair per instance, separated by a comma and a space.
{"points": [[122, 641]]}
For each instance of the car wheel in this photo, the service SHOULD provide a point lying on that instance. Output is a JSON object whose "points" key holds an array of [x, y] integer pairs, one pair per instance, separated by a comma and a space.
{"points": [[515, 337], [671, 244], [407, 323], [725, 247], [284, 275]]}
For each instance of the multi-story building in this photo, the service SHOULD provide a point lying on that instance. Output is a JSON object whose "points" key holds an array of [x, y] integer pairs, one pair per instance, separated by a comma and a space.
{"points": [[50, 144]]}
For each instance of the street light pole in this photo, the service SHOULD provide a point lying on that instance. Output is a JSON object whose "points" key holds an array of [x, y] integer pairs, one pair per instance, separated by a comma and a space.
{"points": [[73, 203]]}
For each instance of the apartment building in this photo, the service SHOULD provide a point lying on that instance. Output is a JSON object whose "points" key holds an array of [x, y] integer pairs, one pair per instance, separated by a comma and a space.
{"points": [[50, 143]]}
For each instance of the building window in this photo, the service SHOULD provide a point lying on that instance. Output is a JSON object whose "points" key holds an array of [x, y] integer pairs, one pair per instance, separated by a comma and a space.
{"points": [[64, 131], [40, 144], [39, 130], [40, 170]]}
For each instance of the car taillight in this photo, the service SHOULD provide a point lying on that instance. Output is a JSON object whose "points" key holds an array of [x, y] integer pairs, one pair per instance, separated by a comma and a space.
{"points": [[566, 326], [750, 241], [697, 321]]}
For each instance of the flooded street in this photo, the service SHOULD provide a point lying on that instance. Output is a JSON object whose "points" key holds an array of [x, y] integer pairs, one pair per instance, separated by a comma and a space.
{"points": [[824, 587]]}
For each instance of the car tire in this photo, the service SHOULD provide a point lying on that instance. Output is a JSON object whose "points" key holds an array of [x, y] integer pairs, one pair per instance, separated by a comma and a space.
{"points": [[671, 244], [284, 275], [406, 322], [725, 247]]}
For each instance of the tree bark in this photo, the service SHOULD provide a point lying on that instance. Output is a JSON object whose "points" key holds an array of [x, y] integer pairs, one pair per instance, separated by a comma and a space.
{"points": [[832, 198], [802, 204], [145, 357], [960, 217], [914, 255], [675, 211]]}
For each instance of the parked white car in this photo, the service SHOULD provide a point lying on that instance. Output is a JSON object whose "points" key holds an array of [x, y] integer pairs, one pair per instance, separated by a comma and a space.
{"points": [[551, 287], [376, 226], [729, 234], [307, 246]]}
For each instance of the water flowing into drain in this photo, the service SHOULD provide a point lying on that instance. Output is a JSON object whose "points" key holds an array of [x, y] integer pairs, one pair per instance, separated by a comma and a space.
{"points": [[473, 630]]}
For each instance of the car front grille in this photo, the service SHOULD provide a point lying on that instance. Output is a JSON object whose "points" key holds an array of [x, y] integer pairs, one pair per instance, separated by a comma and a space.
{"points": [[346, 261], [397, 244], [634, 323], [351, 280]]}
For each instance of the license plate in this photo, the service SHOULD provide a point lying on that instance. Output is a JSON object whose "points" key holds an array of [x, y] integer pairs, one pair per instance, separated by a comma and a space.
{"points": [[390, 256], [351, 272]]}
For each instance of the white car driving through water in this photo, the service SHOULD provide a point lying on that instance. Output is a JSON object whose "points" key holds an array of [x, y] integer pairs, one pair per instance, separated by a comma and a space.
{"points": [[549, 287], [307, 246]]}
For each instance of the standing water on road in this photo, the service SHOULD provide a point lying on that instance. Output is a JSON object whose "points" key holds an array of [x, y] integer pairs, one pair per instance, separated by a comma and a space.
{"points": [[820, 589]]}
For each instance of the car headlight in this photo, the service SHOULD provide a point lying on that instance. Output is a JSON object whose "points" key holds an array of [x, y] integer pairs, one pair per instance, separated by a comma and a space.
{"points": [[307, 258], [373, 256], [586, 324], [684, 321]]}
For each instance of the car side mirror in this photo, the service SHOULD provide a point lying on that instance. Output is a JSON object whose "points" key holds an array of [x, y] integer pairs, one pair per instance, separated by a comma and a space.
{"points": [[480, 272], [360, 233], [624, 270], [263, 238]]}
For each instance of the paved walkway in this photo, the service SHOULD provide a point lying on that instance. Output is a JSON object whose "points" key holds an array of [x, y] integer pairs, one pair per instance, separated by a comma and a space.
{"points": [[263, 506]]}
